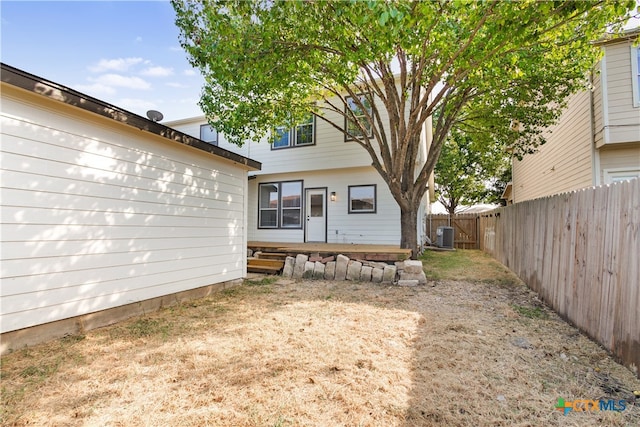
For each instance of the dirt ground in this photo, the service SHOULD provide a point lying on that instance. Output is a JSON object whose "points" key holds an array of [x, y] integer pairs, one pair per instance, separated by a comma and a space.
{"points": [[310, 353]]}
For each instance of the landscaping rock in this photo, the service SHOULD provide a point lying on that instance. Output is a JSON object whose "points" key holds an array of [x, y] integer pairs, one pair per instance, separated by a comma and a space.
{"points": [[308, 270], [330, 270], [298, 269], [289, 263], [407, 283], [328, 259], [413, 266], [318, 270], [521, 342], [389, 274], [375, 264], [365, 273], [376, 275], [420, 277], [353, 270], [342, 263]]}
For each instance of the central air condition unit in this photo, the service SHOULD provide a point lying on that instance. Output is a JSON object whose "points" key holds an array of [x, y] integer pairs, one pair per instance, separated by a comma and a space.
{"points": [[444, 237]]}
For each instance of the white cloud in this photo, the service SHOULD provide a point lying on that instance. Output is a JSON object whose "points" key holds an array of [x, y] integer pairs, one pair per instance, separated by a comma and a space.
{"points": [[121, 81], [157, 72], [189, 72], [177, 85], [119, 64]]}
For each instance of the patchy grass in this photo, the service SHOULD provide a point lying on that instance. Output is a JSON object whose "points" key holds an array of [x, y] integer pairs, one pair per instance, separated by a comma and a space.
{"points": [[531, 312], [315, 353], [470, 265]]}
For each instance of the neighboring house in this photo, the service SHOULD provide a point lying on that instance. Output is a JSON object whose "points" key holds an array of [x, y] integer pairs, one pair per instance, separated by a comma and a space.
{"points": [[597, 140], [105, 212], [316, 186]]}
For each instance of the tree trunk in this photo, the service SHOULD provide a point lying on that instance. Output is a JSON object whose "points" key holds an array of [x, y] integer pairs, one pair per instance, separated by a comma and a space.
{"points": [[409, 230]]}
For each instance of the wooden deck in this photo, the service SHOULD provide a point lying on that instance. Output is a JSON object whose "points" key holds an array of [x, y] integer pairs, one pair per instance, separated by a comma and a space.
{"points": [[385, 253]]}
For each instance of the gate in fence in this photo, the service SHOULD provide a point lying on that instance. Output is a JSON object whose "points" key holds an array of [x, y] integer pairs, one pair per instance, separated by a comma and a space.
{"points": [[465, 229]]}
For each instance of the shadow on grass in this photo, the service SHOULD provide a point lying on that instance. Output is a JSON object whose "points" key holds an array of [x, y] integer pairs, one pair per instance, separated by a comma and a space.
{"points": [[278, 352]]}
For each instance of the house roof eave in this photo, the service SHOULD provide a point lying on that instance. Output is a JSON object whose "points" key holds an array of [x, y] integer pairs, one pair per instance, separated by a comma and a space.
{"points": [[24, 80]]}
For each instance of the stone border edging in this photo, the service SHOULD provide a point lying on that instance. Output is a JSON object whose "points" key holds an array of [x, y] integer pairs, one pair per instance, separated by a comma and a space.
{"points": [[402, 273]]}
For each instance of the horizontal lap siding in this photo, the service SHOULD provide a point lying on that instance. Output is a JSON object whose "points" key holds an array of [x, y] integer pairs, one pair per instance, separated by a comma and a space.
{"points": [[383, 227], [564, 163], [96, 214], [623, 118]]}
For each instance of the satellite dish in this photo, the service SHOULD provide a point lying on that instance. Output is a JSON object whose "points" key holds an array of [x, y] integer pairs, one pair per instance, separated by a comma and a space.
{"points": [[154, 115]]}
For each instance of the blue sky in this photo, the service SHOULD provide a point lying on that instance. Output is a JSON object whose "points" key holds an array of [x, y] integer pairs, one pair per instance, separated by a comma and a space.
{"points": [[126, 53], [123, 52]]}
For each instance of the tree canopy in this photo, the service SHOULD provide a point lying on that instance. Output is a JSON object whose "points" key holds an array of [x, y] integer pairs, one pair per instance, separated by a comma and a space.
{"points": [[475, 64], [468, 172]]}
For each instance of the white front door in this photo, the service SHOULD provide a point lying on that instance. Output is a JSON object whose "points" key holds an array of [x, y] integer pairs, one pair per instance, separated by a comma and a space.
{"points": [[316, 213]]}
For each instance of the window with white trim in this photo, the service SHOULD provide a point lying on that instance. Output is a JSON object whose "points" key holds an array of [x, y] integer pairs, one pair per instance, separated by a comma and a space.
{"points": [[280, 205], [620, 174], [359, 110], [635, 75], [362, 198], [209, 134], [298, 136]]}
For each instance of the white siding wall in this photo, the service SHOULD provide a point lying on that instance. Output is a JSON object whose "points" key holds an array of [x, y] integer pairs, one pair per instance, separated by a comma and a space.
{"points": [[564, 163], [329, 152], [96, 214], [331, 163], [621, 119], [382, 227]]}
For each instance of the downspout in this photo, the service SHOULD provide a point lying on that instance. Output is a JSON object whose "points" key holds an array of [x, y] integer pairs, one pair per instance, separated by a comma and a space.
{"points": [[595, 154]]}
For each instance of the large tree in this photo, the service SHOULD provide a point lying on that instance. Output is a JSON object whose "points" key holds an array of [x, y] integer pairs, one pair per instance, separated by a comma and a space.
{"points": [[468, 171], [269, 63]]}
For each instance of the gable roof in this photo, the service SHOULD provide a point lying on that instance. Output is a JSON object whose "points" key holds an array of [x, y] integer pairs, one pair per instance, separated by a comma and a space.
{"points": [[38, 85]]}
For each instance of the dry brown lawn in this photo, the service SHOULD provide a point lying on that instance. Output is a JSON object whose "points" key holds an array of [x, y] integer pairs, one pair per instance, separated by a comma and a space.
{"points": [[464, 352]]}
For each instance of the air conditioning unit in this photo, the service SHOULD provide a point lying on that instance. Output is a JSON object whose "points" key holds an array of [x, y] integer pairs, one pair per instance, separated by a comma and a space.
{"points": [[444, 237]]}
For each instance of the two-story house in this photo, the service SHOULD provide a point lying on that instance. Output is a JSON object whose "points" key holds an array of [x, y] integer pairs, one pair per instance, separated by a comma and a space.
{"points": [[597, 139], [315, 186]]}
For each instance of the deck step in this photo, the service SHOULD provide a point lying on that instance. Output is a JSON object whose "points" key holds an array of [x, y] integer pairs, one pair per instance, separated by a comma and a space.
{"points": [[265, 262], [266, 266]]}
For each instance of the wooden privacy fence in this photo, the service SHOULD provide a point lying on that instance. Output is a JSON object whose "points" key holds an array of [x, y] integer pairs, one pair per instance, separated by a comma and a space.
{"points": [[465, 229], [580, 252]]}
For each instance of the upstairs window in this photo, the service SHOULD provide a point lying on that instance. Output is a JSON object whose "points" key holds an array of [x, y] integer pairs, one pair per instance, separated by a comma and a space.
{"points": [[209, 134], [360, 110], [301, 135]]}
